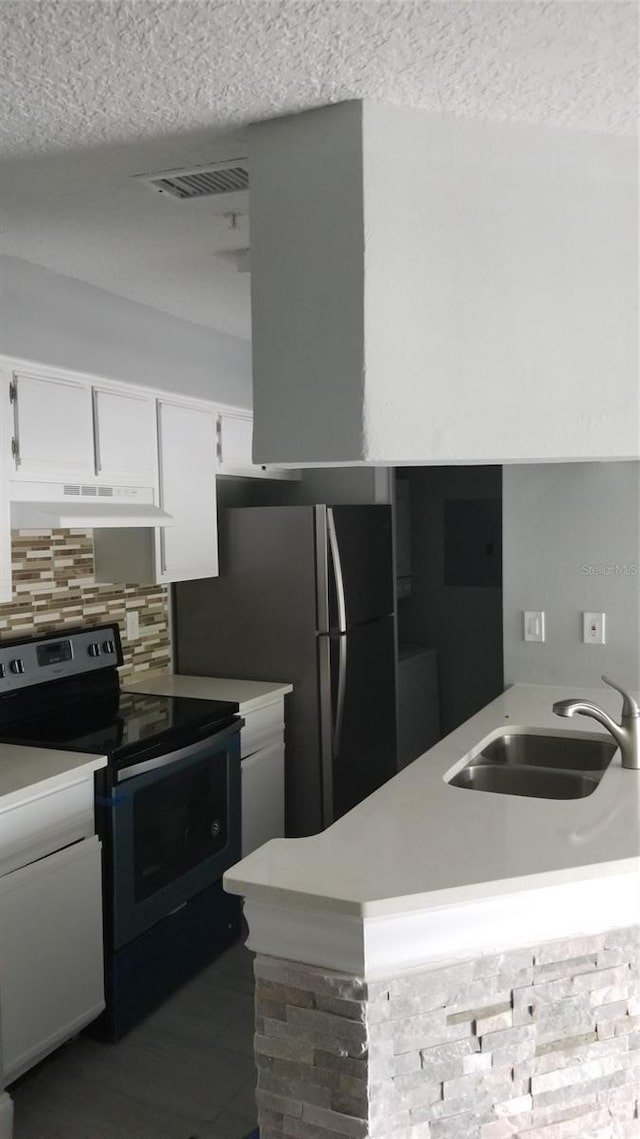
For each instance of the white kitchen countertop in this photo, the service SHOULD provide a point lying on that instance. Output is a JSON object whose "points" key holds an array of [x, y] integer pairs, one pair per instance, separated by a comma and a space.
{"points": [[29, 771], [418, 844], [248, 694]]}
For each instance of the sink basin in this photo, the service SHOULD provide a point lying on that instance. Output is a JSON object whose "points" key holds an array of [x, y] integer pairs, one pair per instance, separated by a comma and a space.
{"points": [[541, 767], [566, 753], [535, 782]]}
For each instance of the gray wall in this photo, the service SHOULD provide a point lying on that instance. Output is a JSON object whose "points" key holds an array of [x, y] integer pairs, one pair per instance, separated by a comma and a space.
{"points": [[333, 485], [464, 623], [338, 486], [57, 320], [572, 544], [307, 250]]}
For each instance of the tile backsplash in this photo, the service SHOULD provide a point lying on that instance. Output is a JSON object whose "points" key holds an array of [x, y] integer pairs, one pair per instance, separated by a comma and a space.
{"points": [[54, 588]]}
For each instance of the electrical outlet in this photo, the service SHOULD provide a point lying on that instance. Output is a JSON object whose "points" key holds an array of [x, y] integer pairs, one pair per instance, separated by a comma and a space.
{"points": [[534, 625], [133, 624], [593, 628]]}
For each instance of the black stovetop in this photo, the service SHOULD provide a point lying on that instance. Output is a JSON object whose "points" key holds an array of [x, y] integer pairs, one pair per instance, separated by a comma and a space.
{"points": [[121, 724], [62, 690]]}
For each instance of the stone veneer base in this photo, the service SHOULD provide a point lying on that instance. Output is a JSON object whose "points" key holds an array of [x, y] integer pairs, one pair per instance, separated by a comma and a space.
{"points": [[540, 1043]]}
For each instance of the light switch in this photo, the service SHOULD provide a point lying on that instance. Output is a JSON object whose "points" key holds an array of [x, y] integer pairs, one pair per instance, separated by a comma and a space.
{"points": [[593, 628], [534, 625]]}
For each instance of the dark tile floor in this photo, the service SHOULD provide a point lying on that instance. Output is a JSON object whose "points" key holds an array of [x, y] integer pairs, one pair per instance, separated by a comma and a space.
{"points": [[187, 1071]]}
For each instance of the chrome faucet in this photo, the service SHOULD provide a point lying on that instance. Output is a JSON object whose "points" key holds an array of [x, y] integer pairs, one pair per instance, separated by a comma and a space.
{"points": [[626, 734]]}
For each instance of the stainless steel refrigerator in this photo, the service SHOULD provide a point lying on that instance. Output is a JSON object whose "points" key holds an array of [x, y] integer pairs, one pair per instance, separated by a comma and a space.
{"points": [[305, 595]]}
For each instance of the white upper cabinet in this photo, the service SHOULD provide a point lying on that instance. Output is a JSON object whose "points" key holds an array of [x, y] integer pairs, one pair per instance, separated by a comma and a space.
{"points": [[188, 547], [125, 436], [88, 433], [6, 585], [187, 458], [235, 435], [52, 428], [235, 445]]}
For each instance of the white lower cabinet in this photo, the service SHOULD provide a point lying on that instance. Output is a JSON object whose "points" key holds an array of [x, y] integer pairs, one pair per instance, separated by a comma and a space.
{"points": [[262, 797], [51, 972], [262, 750]]}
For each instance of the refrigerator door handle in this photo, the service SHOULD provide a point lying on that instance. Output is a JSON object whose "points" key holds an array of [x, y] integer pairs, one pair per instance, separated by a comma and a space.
{"points": [[342, 684], [337, 572], [326, 728]]}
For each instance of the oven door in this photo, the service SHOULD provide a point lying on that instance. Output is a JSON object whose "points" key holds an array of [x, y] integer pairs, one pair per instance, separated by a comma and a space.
{"points": [[169, 831]]}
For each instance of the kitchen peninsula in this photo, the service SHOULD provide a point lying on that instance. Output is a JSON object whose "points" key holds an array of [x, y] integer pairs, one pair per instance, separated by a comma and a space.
{"points": [[454, 964]]}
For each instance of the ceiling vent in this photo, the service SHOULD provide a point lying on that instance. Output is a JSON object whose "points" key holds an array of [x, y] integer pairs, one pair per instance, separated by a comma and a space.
{"points": [[230, 177]]}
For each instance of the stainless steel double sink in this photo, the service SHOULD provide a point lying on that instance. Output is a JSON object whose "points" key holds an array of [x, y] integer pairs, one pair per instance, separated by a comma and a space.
{"points": [[538, 766]]}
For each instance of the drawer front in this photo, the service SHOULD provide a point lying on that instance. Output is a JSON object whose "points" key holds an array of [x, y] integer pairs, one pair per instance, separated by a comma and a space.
{"points": [[262, 728], [262, 797], [46, 823]]}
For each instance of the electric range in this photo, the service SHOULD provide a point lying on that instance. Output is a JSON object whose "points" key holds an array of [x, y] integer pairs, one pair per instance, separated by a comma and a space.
{"points": [[167, 806]]}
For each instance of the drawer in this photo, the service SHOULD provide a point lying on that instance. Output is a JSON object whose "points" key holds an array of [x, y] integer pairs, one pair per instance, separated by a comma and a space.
{"points": [[45, 823], [262, 728]]}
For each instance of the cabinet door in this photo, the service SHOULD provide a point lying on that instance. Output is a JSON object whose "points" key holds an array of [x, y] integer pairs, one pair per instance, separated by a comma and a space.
{"points": [[53, 428], [235, 444], [6, 583], [187, 456], [51, 971], [125, 425], [235, 440], [262, 797]]}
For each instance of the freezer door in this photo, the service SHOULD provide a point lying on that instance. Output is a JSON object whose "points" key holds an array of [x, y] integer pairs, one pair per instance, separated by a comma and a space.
{"points": [[361, 564], [359, 714]]}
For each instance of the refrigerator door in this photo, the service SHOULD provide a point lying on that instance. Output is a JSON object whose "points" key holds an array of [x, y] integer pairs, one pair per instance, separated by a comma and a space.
{"points": [[360, 564], [257, 621], [357, 682]]}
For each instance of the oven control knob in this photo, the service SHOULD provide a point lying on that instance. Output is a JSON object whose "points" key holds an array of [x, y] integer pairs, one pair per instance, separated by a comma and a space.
{"points": [[108, 647], [94, 650], [17, 666], [216, 828], [2, 670]]}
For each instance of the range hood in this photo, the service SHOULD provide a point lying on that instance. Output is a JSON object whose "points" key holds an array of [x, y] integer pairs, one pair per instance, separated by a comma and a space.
{"points": [[46, 506], [432, 289]]}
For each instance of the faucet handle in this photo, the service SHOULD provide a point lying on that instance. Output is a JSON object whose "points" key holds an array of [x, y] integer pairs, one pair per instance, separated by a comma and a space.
{"points": [[630, 706]]}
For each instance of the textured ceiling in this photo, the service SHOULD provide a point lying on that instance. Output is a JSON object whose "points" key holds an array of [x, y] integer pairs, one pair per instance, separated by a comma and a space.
{"points": [[93, 91]]}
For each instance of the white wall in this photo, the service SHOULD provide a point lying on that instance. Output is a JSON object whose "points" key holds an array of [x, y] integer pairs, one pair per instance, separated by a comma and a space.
{"points": [[57, 320], [427, 289], [571, 543], [501, 288]]}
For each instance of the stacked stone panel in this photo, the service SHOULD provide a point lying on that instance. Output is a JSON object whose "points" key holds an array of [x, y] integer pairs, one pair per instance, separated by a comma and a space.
{"points": [[540, 1043]]}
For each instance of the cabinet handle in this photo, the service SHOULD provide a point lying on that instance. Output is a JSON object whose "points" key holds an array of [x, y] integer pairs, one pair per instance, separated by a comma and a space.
{"points": [[15, 441]]}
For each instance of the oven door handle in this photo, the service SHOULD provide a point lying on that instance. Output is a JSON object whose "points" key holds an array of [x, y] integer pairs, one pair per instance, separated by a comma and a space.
{"points": [[181, 754]]}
